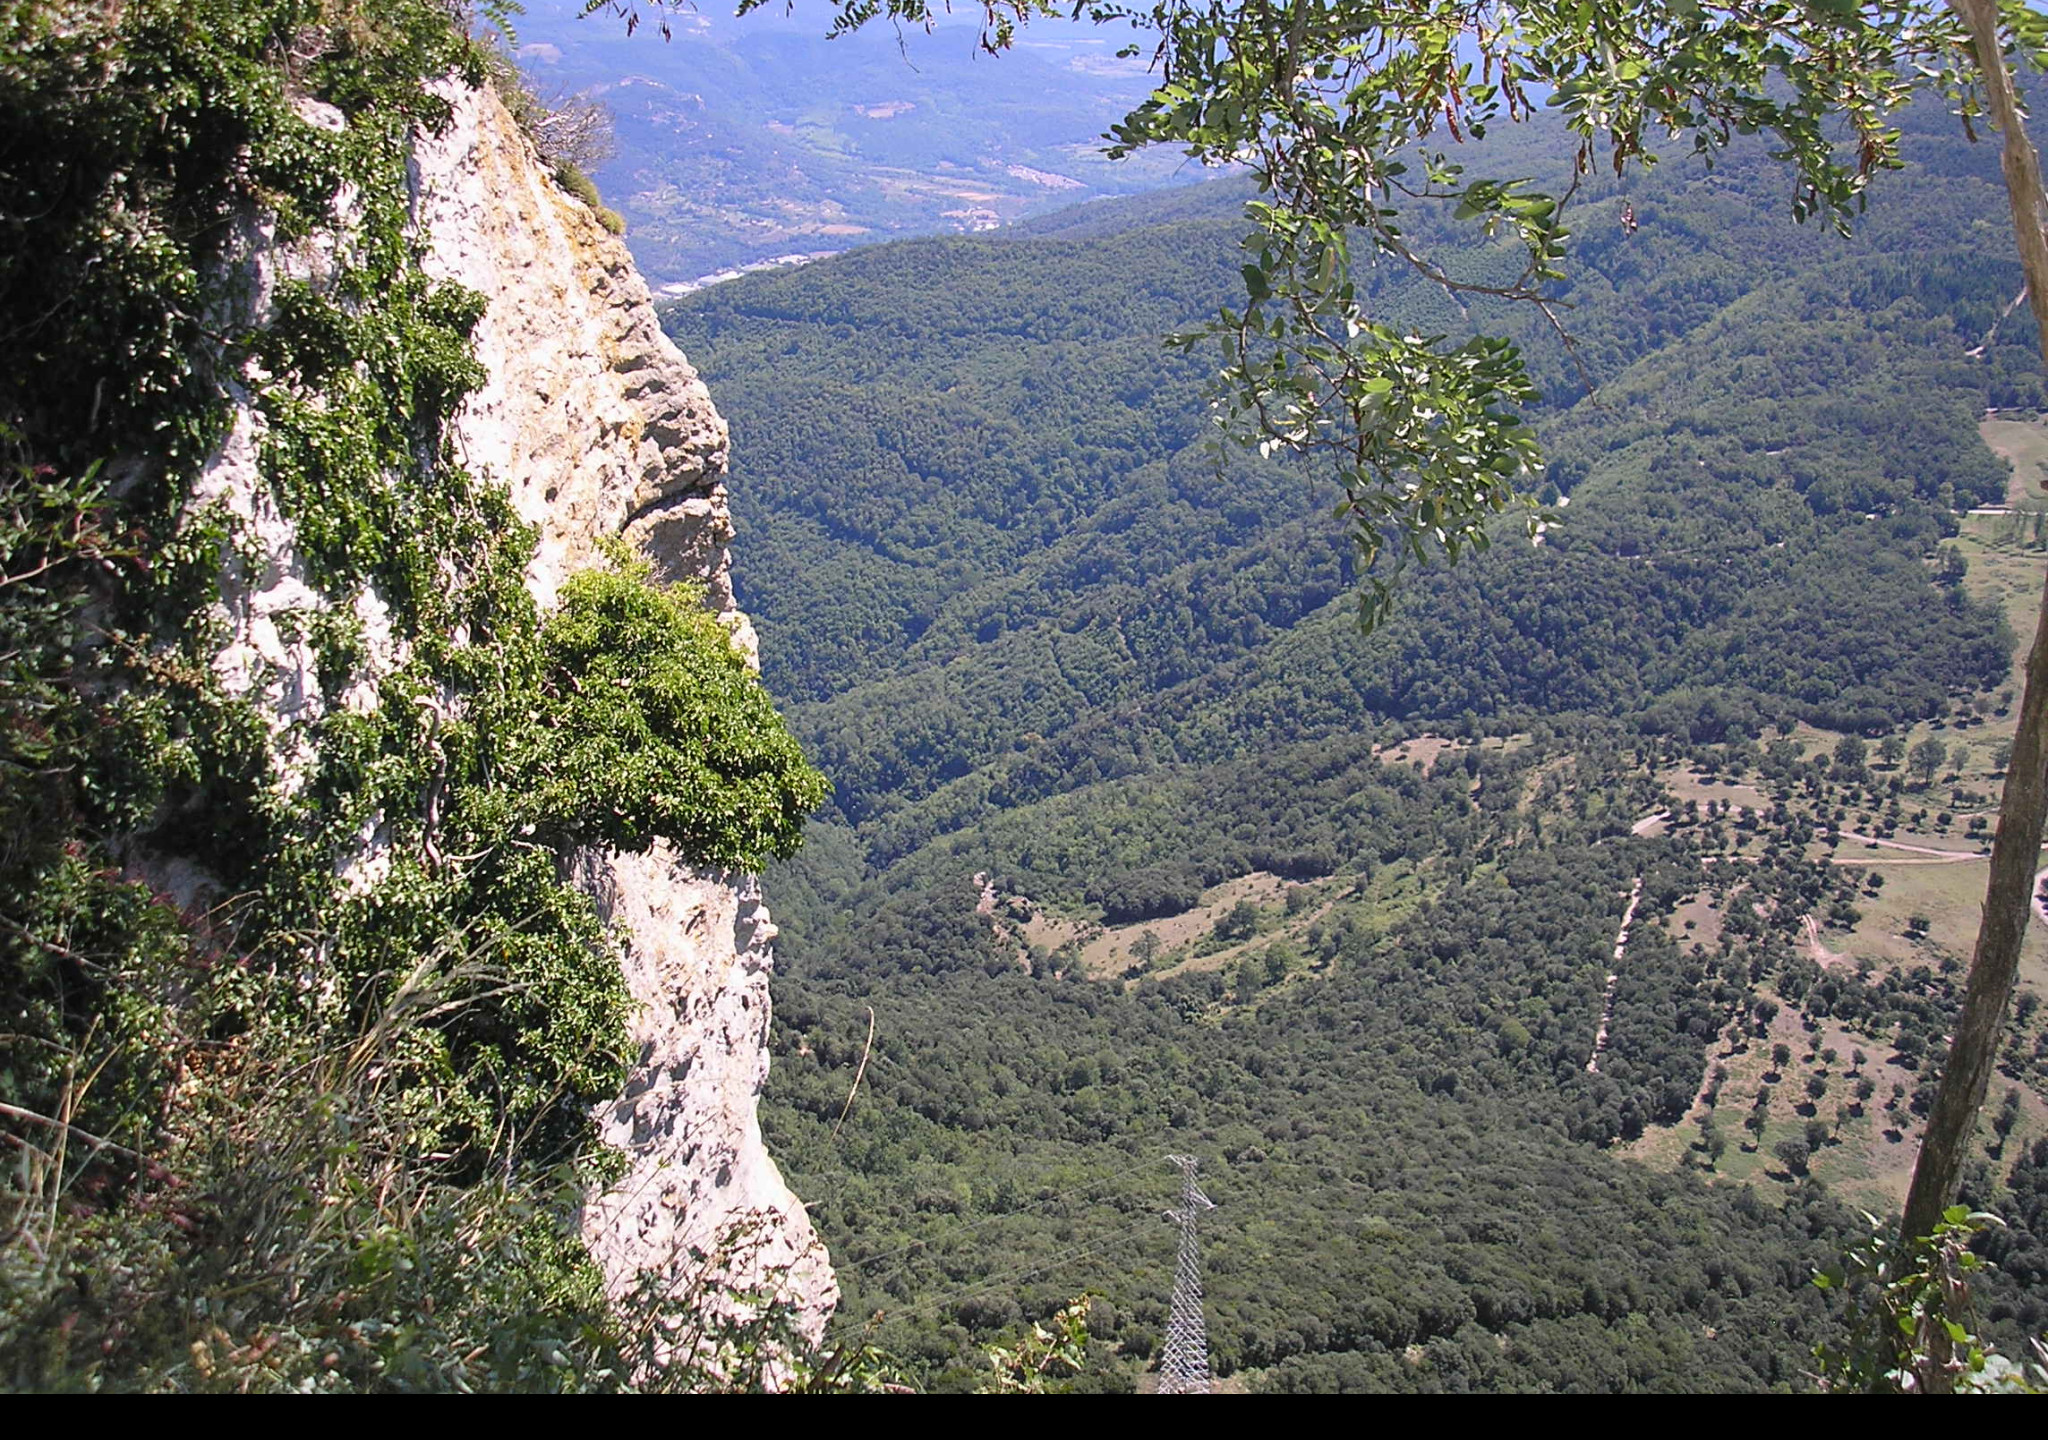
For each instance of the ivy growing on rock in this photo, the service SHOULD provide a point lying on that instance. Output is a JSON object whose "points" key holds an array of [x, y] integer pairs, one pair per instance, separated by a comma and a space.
{"points": [[394, 872]]}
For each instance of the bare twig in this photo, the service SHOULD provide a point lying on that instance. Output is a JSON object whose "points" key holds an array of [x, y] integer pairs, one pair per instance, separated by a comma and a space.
{"points": [[65, 1127]]}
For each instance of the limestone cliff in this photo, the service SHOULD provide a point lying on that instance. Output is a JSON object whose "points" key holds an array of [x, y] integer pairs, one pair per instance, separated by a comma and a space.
{"points": [[598, 427]]}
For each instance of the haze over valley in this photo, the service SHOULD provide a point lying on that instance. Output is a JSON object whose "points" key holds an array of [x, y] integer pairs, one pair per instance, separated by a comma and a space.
{"points": [[755, 139]]}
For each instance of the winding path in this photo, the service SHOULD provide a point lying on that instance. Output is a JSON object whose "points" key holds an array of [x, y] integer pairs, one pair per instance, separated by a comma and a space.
{"points": [[1948, 855], [1628, 916]]}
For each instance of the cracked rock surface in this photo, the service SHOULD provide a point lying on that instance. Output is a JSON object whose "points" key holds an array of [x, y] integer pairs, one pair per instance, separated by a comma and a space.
{"points": [[597, 426]]}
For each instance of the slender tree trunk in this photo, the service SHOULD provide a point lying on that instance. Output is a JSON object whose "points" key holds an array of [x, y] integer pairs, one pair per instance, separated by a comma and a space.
{"points": [[2015, 853]]}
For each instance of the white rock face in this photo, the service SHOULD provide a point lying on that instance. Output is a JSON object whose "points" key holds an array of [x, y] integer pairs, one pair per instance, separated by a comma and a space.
{"points": [[700, 1183], [591, 418], [265, 586], [598, 427]]}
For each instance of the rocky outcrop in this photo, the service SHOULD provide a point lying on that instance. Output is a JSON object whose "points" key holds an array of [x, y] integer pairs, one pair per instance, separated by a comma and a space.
{"points": [[597, 426], [591, 418], [701, 1203]]}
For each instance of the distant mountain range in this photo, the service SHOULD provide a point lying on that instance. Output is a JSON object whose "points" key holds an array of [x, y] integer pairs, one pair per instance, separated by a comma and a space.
{"points": [[742, 141]]}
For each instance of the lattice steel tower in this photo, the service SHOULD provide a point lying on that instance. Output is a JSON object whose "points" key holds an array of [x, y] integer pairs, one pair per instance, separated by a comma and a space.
{"points": [[1184, 1369]]}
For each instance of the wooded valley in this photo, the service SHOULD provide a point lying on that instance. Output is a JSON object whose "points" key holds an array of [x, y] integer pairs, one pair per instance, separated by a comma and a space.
{"points": [[1136, 844]]}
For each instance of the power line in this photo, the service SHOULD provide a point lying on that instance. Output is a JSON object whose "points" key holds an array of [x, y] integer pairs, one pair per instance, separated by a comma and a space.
{"points": [[1184, 1369]]}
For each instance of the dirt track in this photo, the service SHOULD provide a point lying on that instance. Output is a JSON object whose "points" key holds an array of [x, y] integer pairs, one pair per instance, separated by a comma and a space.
{"points": [[1628, 916]]}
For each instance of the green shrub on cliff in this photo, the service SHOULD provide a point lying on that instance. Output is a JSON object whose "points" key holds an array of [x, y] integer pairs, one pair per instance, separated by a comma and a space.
{"points": [[314, 1130], [651, 725]]}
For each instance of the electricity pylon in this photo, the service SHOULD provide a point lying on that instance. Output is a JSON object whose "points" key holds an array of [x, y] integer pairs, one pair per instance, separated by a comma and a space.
{"points": [[1184, 1369]]}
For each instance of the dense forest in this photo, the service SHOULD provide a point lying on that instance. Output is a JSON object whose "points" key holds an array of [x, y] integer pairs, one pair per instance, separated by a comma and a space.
{"points": [[1138, 845]]}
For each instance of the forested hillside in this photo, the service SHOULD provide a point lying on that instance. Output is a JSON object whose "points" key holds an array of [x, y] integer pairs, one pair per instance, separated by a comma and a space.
{"points": [[1138, 845]]}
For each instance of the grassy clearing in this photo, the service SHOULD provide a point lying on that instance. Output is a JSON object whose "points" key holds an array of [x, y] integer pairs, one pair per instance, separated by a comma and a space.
{"points": [[1949, 898], [1871, 1143], [1423, 750], [1868, 1152], [1915, 908], [1106, 951], [2005, 571], [1697, 921], [2024, 445], [1687, 784], [1190, 942]]}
